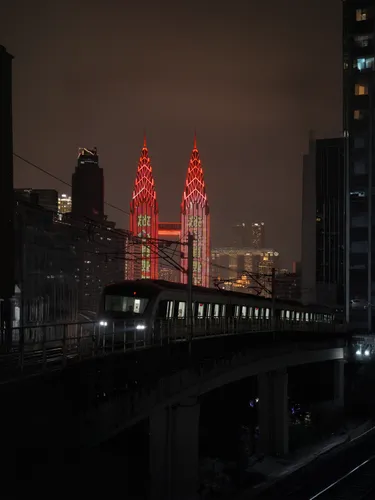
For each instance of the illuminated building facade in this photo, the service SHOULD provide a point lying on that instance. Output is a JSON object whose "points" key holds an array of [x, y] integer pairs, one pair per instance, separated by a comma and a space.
{"points": [[195, 219], [231, 265], [64, 204], [170, 231], [144, 213], [257, 229]]}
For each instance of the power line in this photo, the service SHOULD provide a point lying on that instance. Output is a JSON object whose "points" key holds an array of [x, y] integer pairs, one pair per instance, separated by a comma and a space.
{"points": [[62, 180]]}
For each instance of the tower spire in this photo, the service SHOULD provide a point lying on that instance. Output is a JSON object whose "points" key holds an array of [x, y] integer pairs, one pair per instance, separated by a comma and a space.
{"points": [[144, 139], [195, 139]]}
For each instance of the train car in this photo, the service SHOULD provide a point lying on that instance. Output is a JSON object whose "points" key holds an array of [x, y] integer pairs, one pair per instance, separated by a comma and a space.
{"points": [[151, 309]]}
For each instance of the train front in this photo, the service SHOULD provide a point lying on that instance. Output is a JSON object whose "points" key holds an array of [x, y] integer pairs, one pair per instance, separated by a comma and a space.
{"points": [[124, 315]]}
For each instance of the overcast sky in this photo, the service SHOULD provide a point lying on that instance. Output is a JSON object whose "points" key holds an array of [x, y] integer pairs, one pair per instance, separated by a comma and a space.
{"points": [[252, 77]]}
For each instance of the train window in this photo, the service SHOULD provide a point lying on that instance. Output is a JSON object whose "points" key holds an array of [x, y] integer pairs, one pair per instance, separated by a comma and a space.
{"points": [[200, 310], [250, 312], [267, 313], [287, 314], [244, 311], [216, 310], [236, 311], [261, 313], [297, 316], [209, 310], [181, 309], [170, 309], [256, 312], [306, 316], [282, 314], [119, 303], [223, 307]]}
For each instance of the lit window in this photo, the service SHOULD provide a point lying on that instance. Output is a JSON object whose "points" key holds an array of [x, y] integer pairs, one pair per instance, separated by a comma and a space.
{"points": [[361, 89], [200, 310], [363, 63], [358, 114], [216, 310], [361, 15], [243, 311], [181, 309], [357, 194]]}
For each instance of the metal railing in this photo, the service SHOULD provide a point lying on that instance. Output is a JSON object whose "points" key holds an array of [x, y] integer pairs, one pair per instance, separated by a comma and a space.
{"points": [[47, 347]]}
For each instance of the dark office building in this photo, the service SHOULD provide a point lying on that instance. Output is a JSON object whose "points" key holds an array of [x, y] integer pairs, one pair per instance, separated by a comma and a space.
{"points": [[46, 198], [6, 189], [359, 108], [330, 216], [241, 235], [88, 186]]}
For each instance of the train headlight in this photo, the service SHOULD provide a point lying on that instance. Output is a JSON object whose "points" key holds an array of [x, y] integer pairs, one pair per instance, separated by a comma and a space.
{"points": [[103, 323], [140, 327]]}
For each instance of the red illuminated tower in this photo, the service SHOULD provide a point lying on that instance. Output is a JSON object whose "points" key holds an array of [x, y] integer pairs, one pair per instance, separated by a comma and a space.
{"points": [[144, 214], [195, 218]]}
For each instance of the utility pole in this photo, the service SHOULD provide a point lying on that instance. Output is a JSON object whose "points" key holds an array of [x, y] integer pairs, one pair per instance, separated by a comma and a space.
{"points": [[190, 288]]}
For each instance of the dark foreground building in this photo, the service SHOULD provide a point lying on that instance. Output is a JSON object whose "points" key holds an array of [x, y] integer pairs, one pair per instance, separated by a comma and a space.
{"points": [[359, 108], [6, 188]]}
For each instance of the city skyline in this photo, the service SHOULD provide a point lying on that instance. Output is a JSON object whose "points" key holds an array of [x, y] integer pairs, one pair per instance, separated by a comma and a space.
{"points": [[243, 120]]}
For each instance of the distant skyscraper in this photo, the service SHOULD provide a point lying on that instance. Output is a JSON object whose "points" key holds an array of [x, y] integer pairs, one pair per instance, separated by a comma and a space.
{"points": [[359, 109], [6, 184], [65, 204], [242, 235], [144, 214], [195, 218], [88, 186], [257, 231]]}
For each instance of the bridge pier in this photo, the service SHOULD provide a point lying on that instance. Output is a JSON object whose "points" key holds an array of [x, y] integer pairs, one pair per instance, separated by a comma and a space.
{"points": [[174, 452], [338, 383], [273, 412]]}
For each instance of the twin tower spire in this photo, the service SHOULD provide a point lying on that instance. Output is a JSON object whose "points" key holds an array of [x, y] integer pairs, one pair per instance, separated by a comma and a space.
{"points": [[194, 218]]}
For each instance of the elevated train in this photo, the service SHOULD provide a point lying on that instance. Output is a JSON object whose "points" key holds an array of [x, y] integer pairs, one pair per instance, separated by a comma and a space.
{"points": [[147, 304]]}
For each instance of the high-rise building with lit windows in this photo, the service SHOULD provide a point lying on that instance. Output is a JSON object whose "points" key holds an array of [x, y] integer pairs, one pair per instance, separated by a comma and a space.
{"points": [[64, 204], [195, 219], [258, 237], [358, 114], [144, 222]]}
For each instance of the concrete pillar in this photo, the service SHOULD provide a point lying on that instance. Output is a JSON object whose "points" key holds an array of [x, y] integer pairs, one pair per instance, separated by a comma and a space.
{"points": [[174, 452], [338, 382], [273, 412]]}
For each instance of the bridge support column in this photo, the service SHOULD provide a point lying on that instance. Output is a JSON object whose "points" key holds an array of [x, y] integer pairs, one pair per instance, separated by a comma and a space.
{"points": [[338, 383], [273, 412], [174, 452]]}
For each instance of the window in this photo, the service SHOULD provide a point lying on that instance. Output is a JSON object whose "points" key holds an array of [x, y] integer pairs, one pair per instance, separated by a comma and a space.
{"points": [[216, 310], [357, 194], [359, 221], [209, 310], [359, 114], [362, 40], [130, 305], [200, 310], [361, 15], [359, 168], [223, 310], [170, 309], [181, 309], [363, 63], [243, 311], [359, 247], [361, 89]]}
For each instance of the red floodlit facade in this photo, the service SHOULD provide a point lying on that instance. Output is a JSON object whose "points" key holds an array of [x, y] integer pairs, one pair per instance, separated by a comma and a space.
{"points": [[144, 223], [195, 218]]}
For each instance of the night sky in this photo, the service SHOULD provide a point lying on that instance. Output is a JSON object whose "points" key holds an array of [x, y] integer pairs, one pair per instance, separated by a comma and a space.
{"points": [[252, 78]]}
